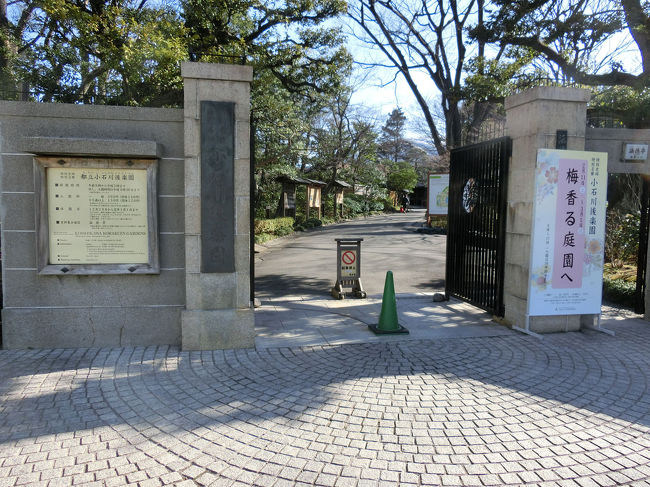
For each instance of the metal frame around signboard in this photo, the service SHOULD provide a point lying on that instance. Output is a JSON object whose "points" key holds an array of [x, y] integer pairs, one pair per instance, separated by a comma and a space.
{"points": [[42, 228]]}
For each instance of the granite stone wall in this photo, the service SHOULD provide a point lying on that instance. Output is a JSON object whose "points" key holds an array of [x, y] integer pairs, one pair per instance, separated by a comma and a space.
{"points": [[89, 310], [613, 141]]}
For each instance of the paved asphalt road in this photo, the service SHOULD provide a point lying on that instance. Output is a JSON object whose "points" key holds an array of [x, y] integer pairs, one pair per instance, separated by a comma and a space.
{"points": [[305, 264]]}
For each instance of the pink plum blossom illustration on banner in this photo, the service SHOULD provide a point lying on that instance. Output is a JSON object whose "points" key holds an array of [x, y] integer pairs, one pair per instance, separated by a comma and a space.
{"points": [[546, 181]]}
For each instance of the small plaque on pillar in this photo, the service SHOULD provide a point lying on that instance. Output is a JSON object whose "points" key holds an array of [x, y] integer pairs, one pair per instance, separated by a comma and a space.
{"points": [[635, 152]]}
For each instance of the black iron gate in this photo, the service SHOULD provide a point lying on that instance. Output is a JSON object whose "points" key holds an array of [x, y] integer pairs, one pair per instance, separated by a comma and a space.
{"points": [[477, 223], [642, 255], [1, 297]]}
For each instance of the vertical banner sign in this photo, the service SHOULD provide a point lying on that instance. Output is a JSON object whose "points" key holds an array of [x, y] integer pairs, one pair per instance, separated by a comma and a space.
{"points": [[568, 236], [438, 198]]}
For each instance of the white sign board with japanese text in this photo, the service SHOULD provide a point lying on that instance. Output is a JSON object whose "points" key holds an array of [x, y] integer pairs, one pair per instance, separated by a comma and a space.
{"points": [[568, 235], [97, 215], [438, 200], [635, 152]]}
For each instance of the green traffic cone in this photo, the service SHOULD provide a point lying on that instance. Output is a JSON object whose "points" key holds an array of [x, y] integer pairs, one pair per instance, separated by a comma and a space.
{"points": [[388, 322]]}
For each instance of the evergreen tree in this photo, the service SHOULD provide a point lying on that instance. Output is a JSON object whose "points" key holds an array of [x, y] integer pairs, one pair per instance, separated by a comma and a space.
{"points": [[392, 144]]}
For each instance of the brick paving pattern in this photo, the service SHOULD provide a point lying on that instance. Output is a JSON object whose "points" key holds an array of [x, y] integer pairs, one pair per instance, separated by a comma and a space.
{"points": [[568, 410]]}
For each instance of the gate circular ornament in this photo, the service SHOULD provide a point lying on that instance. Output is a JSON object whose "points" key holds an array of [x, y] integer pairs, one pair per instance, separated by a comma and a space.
{"points": [[470, 195]]}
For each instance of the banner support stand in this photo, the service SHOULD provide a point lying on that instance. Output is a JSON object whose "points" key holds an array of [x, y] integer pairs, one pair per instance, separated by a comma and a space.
{"points": [[527, 330], [598, 327]]}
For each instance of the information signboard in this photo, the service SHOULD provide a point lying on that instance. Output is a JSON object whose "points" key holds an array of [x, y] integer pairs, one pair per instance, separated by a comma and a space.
{"points": [[438, 194], [96, 216], [568, 236], [314, 195]]}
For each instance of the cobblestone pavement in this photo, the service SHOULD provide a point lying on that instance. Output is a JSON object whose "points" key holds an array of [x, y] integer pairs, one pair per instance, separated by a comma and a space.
{"points": [[306, 321], [568, 410]]}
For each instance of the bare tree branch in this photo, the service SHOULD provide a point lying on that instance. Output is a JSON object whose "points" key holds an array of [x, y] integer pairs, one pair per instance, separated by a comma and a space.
{"points": [[427, 37]]}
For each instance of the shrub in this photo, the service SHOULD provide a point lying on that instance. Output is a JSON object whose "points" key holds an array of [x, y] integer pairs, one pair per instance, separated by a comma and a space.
{"points": [[439, 221], [439, 224], [619, 291], [357, 204], [389, 205], [328, 220], [622, 237], [312, 223], [261, 238], [275, 226]]}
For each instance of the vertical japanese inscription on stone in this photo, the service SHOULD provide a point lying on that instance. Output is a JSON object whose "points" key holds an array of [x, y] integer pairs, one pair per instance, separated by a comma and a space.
{"points": [[217, 187], [97, 216]]}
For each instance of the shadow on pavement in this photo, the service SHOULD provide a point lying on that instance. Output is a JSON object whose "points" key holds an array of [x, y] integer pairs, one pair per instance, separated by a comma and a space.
{"points": [[50, 392], [278, 285]]}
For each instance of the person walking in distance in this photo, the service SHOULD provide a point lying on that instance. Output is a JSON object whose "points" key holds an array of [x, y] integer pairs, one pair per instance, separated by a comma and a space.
{"points": [[405, 203]]}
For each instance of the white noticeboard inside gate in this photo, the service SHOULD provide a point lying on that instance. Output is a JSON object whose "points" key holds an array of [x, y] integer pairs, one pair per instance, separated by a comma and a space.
{"points": [[568, 235], [438, 194]]}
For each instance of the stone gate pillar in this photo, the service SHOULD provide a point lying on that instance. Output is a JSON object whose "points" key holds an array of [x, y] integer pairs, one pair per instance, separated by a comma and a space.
{"points": [[533, 119], [218, 312]]}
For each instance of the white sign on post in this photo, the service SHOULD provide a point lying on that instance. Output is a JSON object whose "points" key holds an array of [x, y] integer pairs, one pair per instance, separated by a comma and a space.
{"points": [[349, 263], [635, 152], [438, 197], [568, 236]]}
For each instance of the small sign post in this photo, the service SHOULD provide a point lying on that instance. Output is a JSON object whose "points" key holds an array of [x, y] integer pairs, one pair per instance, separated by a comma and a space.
{"points": [[348, 268]]}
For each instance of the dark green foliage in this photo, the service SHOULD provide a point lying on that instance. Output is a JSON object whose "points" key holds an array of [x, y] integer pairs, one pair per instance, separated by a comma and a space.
{"points": [[388, 204], [312, 223], [119, 52], [266, 230], [572, 40], [275, 226], [626, 105], [401, 176], [302, 224], [357, 204], [622, 238], [392, 143], [128, 52], [619, 291]]}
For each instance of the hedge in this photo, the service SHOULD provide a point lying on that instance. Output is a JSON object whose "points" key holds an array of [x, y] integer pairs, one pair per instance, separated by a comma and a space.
{"points": [[274, 226], [619, 291]]}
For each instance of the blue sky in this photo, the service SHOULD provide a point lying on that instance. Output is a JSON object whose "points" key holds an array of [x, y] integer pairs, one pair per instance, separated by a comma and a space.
{"points": [[381, 91]]}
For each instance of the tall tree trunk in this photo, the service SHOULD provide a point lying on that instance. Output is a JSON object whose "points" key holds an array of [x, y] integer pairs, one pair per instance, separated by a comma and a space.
{"points": [[5, 44]]}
